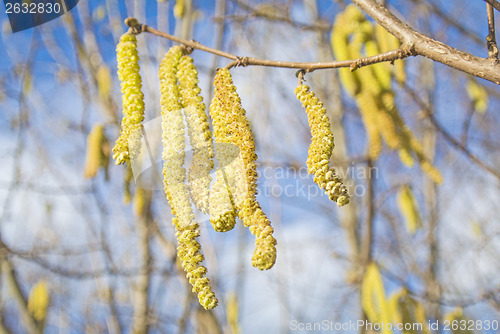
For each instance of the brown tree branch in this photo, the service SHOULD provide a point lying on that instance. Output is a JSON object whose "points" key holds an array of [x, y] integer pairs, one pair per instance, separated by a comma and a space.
{"points": [[488, 69]]}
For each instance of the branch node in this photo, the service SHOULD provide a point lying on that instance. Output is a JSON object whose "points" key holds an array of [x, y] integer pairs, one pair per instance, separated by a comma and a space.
{"points": [[300, 75], [242, 61], [407, 50], [135, 27]]}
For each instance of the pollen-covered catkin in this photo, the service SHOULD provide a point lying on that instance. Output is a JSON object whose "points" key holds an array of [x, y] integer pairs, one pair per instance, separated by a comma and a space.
{"points": [[173, 136], [96, 156], [373, 300], [231, 127], [387, 42], [425, 164], [321, 147], [222, 207], [408, 208], [353, 36], [406, 310], [199, 133], [39, 300], [128, 144]]}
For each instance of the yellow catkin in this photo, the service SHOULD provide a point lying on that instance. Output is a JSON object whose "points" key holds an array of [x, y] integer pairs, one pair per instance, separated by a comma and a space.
{"points": [[199, 133], [408, 207], [128, 144], [457, 316], [104, 81], [321, 148], [382, 71], [139, 201], [231, 126], [478, 96], [222, 207], [346, 23], [388, 42], [222, 213], [173, 136], [38, 300], [425, 164], [385, 111], [373, 300], [408, 311], [232, 311], [353, 36], [357, 34], [96, 155], [420, 316], [405, 152], [179, 8], [394, 308], [369, 114], [340, 43], [393, 134]]}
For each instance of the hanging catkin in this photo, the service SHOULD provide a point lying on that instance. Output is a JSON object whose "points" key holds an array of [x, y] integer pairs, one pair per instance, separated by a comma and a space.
{"points": [[199, 133], [373, 300], [173, 134], [354, 37], [97, 154], [408, 207], [128, 144], [231, 126], [321, 148]]}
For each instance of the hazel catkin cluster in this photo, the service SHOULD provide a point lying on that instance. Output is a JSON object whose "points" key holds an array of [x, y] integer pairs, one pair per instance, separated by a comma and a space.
{"points": [[177, 192], [321, 148], [354, 37], [128, 144], [232, 133]]}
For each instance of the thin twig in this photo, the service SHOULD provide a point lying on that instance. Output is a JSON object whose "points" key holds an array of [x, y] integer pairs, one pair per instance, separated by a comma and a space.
{"points": [[220, 9], [454, 142], [367, 242], [277, 15], [466, 125], [491, 41], [390, 56], [449, 20]]}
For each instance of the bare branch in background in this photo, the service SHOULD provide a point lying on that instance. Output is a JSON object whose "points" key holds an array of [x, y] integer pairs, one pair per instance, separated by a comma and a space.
{"points": [[491, 40], [494, 3]]}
